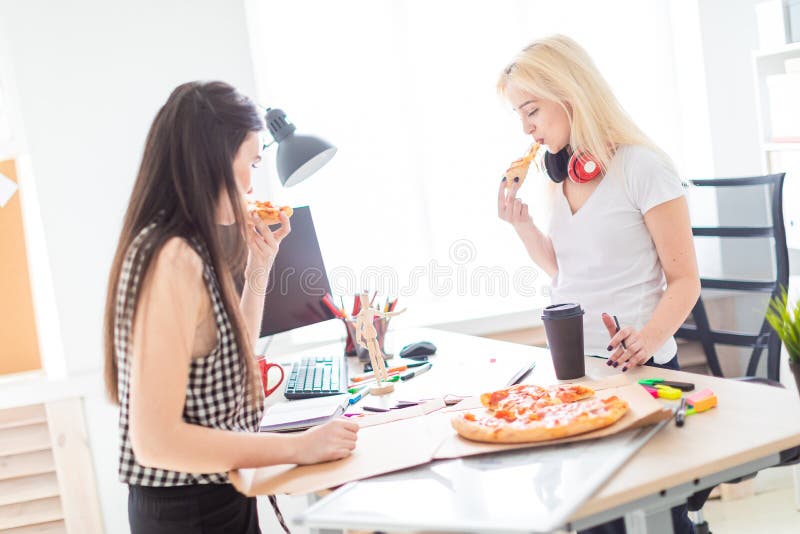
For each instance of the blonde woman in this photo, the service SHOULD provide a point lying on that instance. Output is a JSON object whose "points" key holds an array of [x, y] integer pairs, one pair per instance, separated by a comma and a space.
{"points": [[619, 241]]}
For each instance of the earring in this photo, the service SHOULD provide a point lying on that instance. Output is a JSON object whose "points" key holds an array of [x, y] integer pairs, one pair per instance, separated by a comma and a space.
{"points": [[583, 168]]}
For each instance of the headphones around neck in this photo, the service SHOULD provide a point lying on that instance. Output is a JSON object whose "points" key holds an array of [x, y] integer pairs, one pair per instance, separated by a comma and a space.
{"points": [[580, 166]]}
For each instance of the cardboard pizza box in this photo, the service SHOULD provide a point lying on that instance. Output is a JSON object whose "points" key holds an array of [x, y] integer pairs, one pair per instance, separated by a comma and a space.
{"points": [[415, 441]]}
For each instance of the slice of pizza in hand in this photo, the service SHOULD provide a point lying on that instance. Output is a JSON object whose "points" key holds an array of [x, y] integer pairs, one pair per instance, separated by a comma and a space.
{"points": [[551, 422], [518, 170], [269, 214]]}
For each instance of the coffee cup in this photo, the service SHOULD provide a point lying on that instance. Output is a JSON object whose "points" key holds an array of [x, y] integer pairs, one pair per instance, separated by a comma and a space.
{"points": [[563, 325], [264, 368]]}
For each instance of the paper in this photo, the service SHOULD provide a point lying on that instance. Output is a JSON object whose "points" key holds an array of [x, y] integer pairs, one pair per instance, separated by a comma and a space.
{"points": [[302, 414], [7, 189]]}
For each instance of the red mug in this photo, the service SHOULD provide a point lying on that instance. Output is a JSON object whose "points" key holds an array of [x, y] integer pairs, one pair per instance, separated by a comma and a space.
{"points": [[263, 371]]}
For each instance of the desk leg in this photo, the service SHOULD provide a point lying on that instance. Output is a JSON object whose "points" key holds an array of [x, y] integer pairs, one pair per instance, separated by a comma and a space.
{"points": [[649, 522], [313, 498], [796, 470]]}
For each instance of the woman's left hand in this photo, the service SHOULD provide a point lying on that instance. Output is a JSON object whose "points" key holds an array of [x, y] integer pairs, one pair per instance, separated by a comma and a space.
{"points": [[263, 245], [638, 345]]}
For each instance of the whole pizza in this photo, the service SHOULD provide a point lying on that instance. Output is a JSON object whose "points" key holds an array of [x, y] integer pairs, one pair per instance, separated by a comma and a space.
{"points": [[529, 413]]}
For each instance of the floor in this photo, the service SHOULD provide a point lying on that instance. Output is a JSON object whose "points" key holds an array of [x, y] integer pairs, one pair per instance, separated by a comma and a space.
{"points": [[772, 509]]}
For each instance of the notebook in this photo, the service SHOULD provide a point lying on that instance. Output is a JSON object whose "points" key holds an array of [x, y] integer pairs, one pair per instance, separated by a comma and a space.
{"points": [[302, 414]]}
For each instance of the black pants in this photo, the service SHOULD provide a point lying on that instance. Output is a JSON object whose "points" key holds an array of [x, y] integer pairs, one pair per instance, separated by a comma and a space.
{"points": [[199, 509], [681, 523]]}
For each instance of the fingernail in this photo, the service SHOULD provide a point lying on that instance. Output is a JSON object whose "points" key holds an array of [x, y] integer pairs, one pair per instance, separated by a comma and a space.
{"points": [[609, 362], [516, 178], [624, 369], [504, 179], [609, 347], [616, 364]]}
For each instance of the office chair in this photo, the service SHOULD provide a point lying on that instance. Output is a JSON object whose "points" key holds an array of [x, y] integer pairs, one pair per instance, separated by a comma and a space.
{"points": [[765, 338]]}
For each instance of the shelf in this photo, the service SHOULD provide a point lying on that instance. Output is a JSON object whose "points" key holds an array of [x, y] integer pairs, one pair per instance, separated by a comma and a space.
{"points": [[780, 147], [786, 50]]}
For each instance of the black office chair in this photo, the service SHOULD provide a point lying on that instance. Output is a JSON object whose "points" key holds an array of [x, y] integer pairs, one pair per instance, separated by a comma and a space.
{"points": [[700, 328], [765, 337]]}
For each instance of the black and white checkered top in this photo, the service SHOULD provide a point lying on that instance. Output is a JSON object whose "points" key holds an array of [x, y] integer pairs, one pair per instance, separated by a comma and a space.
{"points": [[216, 392]]}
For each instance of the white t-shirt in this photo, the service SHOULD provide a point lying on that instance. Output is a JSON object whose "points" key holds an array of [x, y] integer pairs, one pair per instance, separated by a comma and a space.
{"points": [[607, 261]]}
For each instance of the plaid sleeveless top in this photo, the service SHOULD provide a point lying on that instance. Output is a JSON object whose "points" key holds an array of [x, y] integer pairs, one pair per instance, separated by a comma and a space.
{"points": [[216, 391]]}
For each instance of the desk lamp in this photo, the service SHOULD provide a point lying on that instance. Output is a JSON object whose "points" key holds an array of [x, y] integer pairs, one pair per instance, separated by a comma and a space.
{"points": [[299, 156]]}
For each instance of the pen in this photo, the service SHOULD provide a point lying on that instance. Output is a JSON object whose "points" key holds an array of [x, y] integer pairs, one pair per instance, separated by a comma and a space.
{"points": [[521, 374], [616, 322], [680, 415], [416, 372]]}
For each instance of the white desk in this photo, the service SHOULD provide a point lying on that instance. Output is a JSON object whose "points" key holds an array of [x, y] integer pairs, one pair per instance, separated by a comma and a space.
{"points": [[744, 434]]}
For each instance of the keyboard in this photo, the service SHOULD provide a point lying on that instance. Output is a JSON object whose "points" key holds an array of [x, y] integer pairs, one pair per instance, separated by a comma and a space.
{"points": [[317, 377]]}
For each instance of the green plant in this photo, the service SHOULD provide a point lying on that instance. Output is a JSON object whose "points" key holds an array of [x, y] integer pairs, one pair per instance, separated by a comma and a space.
{"points": [[786, 323]]}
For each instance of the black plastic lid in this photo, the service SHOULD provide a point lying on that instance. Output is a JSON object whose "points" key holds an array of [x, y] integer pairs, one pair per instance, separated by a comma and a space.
{"points": [[562, 311]]}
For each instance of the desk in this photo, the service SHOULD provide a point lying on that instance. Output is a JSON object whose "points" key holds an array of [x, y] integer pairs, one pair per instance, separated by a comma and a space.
{"points": [[744, 434]]}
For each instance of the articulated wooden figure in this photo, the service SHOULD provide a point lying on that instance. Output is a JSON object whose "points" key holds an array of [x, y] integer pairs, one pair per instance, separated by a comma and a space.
{"points": [[367, 336]]}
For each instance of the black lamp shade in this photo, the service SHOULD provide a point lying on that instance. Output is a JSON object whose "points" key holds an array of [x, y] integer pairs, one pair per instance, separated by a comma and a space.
{"points": [[299, 156]]}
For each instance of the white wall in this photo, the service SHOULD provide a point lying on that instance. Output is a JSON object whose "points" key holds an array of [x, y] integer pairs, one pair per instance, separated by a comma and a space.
{"points": [[89, 76]]}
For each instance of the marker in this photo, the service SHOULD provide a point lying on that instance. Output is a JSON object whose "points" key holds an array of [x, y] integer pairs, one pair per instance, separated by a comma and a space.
{"points": [[394, 378], [371, 374], [357, 397], [356, 389], [416, 372], [680, 415]]}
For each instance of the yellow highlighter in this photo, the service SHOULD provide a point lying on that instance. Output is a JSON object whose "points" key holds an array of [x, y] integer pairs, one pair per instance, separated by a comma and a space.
{"points": [[667, 392]]}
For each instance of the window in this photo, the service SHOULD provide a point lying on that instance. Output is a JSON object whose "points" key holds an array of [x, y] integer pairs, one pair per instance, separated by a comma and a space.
{"points": [[406, 91]]}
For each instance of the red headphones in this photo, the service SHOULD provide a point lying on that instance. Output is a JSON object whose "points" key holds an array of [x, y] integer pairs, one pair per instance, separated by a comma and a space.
{"points": [[581, 167]]}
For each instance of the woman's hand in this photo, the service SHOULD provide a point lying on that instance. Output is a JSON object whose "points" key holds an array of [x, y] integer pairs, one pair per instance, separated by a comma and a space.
{"points": [[263, 244], [510, 208], [638, 349], [332, 441]]}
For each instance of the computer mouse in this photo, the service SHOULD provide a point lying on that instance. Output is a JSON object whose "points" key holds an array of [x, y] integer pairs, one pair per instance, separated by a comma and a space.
{"points": [[418, 349]]}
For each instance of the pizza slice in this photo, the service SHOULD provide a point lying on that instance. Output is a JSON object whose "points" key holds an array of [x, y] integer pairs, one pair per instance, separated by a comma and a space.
{"points": [[518, 170], [269, 214], [547, 423]]}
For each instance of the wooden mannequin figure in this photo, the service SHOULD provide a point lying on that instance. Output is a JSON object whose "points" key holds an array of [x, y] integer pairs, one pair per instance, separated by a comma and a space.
{"points": [[367, 336]]}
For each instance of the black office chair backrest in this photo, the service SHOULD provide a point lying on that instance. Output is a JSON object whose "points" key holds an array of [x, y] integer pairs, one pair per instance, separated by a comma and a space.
{"points": [[765, 338]]}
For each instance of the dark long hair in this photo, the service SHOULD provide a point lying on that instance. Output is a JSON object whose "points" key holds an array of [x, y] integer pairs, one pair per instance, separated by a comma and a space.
{"points": [[186, 167]]}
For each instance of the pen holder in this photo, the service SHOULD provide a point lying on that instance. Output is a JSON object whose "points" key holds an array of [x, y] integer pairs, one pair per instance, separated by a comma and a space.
{"points": [[351, 348]]}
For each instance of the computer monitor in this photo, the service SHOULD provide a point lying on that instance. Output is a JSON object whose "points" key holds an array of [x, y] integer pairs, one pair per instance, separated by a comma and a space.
{"points": [[297, 281]]}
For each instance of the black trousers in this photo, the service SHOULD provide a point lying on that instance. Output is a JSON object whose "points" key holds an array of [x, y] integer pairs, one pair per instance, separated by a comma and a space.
{"points": [[198, 509], [681, 523]]}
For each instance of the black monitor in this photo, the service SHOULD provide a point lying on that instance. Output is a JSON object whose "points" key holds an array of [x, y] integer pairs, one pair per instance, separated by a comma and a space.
{"points": [[298, 280]]}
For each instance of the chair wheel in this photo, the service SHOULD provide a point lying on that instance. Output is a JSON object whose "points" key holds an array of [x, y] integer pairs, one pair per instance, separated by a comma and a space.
{"points": [[702, 528]]}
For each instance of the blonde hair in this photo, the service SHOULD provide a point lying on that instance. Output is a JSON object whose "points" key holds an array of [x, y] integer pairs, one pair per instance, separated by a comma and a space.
{"points": [[557, 68]]}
